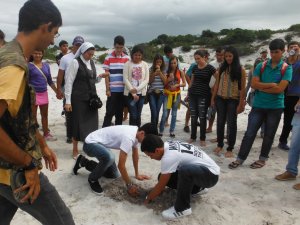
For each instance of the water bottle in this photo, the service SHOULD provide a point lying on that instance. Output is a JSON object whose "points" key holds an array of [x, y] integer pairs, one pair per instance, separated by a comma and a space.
{"points": [[292, 52]]}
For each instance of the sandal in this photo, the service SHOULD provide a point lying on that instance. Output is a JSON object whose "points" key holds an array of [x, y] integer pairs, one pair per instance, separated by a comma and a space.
{"points": [[234, 164], [257, 165]]}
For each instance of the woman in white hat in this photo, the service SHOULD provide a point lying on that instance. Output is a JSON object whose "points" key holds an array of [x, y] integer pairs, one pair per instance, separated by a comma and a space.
{"points": [[80, 81]]}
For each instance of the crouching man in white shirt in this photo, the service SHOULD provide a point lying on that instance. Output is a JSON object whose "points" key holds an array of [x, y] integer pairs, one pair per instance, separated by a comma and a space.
{"points": [[183, 166], [99, 143]]}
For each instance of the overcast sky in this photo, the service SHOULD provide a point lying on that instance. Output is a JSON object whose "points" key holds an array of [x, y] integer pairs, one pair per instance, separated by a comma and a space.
{"points": [[99, 21]]}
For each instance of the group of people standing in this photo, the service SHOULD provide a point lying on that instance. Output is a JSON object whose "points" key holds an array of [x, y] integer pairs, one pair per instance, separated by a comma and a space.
{"points": [[219, 86], [185, 167]]}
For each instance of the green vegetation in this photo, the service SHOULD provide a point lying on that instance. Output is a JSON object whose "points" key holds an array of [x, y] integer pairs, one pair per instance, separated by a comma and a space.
{"points": [[263, 34], [101, 58], [295, 28], [98, 48], [288, 37], [50, 53], [180, 58], [186, 48], [242, 39]]}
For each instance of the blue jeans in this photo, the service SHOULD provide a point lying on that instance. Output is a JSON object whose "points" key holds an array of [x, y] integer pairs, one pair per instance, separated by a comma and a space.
{"points": [[226, 110], [106, 160], [173, 114], [187, 180], [48, 208], [294, 151], [155, 102], [135, 110], [257, 116]]}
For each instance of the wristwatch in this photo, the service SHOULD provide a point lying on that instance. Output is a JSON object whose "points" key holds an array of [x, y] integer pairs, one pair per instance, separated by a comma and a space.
{"points": [[33, 164]]}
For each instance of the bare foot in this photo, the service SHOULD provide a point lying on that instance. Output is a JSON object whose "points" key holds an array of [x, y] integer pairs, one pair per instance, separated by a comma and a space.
{"points": [[228, 154], [218, 151], [191, 140], [202, 143], [208, 130], [75, 156], [214, 140]]}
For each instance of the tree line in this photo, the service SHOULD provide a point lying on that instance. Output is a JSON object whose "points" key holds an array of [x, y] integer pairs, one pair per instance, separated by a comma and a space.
{"points": [[242, 39]]}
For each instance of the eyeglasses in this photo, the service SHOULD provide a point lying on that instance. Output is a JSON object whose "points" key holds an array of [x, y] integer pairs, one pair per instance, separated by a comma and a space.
{"points": [[57, 35]]}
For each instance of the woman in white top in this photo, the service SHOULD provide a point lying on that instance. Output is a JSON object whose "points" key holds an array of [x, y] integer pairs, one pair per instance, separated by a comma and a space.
{"points": [[136, 78], [77, 93]]}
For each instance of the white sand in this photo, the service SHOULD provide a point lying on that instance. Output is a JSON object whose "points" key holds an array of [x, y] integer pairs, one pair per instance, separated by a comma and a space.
{"points": [[242, 196]]}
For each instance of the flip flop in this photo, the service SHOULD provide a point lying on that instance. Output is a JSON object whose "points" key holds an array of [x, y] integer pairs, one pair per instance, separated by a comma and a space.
{"points": [[234, 165], [257, 165]]}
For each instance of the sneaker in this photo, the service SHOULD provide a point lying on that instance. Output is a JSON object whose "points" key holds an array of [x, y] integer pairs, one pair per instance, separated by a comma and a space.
{"points": [[297, 187], [186, 129], [172, 135], [285, 176], [96, 187], [283, 146], [171, 213], [49, 137], [202, 191], [77, 165]]}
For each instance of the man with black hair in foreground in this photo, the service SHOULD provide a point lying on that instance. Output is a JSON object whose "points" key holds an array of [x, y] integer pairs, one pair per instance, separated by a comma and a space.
{"points": [[21, 144], [184, 167]]}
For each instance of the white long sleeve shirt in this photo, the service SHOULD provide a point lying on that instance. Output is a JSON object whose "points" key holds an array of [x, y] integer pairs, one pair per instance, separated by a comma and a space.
{"points": [[71, 75]]}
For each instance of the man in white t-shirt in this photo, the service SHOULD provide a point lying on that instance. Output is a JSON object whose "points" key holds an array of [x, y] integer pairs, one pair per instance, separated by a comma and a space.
{"points": [[217, 64], [184, 167], [99, 143], [64, 63]]}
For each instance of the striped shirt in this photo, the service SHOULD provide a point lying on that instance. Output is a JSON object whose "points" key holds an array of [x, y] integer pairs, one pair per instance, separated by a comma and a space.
{"points": [[157, 83], [200, 85], [114, 64]]}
